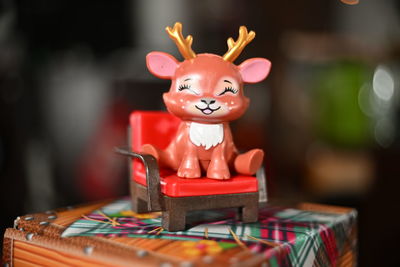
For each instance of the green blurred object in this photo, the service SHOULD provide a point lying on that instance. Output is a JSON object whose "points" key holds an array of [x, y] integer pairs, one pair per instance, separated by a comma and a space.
{"points": [[338, 117]]}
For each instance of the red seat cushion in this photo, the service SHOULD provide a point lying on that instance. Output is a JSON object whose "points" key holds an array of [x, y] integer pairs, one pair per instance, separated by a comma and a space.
{"points": [[174, 186], [158, 128]]}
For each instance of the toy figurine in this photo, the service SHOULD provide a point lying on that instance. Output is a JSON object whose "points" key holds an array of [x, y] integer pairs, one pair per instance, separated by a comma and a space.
{"points": [[206, 94]]}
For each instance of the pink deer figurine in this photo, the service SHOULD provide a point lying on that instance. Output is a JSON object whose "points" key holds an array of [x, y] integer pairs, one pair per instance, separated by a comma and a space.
{"points": [[206, 93]]}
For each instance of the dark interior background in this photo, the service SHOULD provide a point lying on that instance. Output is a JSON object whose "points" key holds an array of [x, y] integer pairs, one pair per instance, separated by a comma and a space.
{"points": [[328, 116]]}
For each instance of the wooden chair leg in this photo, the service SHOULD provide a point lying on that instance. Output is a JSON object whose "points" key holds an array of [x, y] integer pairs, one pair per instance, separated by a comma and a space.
{"points": [[174, 220], [139, 205], [239, 214], [249, 213]]}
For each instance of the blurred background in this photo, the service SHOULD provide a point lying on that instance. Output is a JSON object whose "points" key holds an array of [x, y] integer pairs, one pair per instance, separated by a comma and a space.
{"points": [[328, 116]]}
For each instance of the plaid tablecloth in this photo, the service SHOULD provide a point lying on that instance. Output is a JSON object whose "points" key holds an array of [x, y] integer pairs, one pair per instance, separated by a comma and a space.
{"points": [[293, 237]]}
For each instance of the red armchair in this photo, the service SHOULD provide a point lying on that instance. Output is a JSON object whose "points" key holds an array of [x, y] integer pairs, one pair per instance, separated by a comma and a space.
{"points": [[154, 189]]}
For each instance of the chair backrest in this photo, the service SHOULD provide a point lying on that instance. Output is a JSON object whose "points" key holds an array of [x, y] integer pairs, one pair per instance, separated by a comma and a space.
{"points": [[149, 127], [152, 127]]}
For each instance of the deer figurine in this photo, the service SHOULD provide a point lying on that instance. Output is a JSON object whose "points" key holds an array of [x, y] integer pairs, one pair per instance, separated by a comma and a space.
{"points": [[206, 93]]}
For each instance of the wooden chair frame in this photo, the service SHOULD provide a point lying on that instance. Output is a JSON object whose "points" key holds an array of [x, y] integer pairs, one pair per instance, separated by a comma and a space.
{"points": [[149, 198]]}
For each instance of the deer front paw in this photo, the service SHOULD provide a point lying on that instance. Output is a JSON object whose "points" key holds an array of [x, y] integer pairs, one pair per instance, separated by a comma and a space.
{"points": [[221, 174], [185, 172]]}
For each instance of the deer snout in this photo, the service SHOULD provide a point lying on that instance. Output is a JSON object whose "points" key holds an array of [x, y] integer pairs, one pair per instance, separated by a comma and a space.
{"points": [[207, 104], [208, 101]]}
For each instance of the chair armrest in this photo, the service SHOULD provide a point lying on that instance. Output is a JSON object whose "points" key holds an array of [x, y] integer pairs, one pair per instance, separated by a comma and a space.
{"points": [[152, 177], [262, 186]]}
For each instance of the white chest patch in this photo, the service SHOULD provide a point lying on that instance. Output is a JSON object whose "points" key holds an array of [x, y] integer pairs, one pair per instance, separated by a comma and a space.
{"points": [[207, 135]]}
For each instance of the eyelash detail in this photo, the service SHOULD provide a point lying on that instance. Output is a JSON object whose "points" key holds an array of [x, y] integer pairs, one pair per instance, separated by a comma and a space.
{"points": [[228, 89], [186, 87], [183, 87]]}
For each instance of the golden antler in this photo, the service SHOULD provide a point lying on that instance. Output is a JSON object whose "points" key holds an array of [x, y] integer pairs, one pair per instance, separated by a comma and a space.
{"points": [[235, 48], [184, 45]]}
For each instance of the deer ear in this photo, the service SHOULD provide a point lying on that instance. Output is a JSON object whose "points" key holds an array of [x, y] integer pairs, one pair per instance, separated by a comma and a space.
{"points": [[161, 64], [254, 70]]}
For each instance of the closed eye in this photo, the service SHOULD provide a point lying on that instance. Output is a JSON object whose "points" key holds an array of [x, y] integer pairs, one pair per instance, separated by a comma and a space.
{"points": [[186, 87], [228, 89], [183, 87]]}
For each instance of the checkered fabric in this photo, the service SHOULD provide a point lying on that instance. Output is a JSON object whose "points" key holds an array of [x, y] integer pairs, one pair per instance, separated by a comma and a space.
{"points": [[294, 237]]}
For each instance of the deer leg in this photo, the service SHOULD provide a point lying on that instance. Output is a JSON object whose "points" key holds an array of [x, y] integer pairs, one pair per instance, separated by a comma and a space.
{"points": [[218, 167], [248, 163], [189, 166], [152, 150], [165, 158]]}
